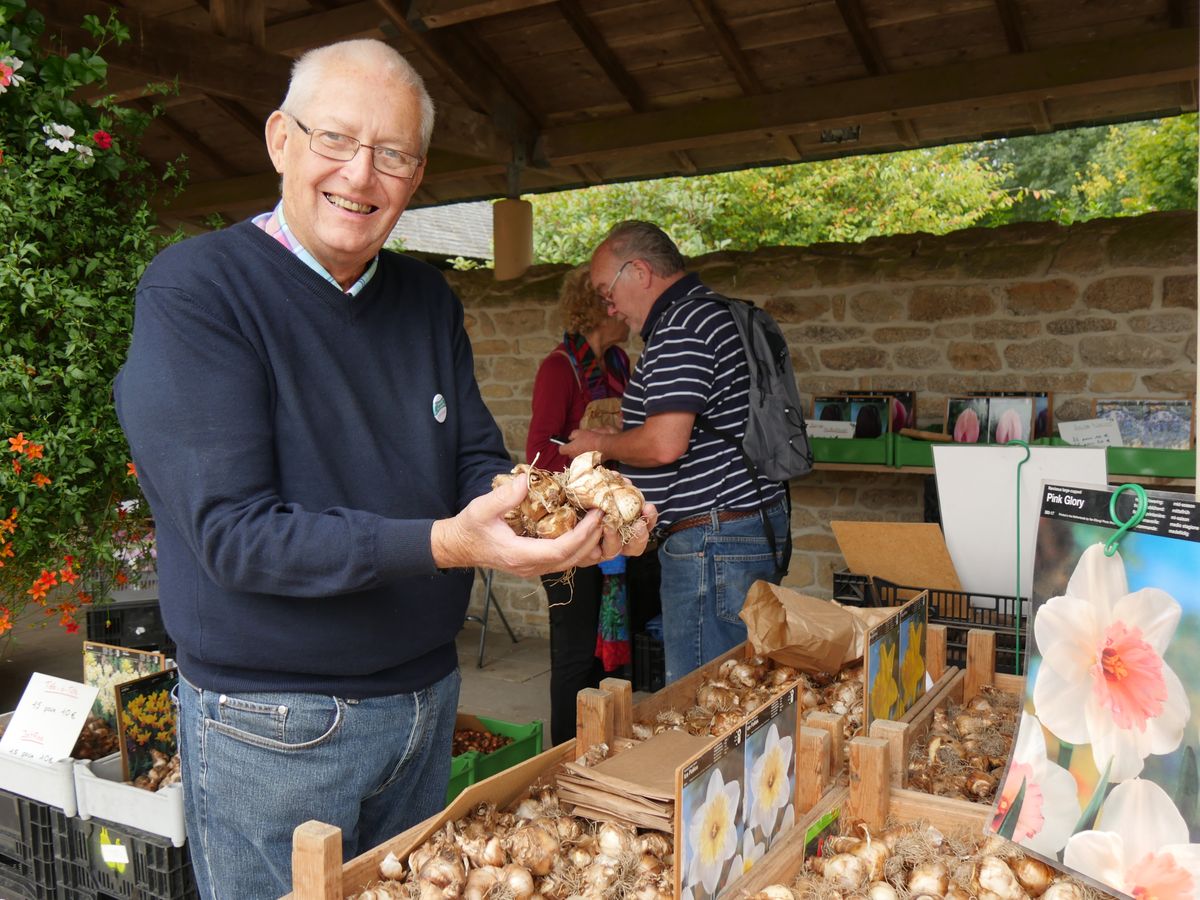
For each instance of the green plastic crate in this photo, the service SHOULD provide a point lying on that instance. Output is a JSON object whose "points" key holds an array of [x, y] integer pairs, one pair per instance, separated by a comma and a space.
{"points": [[526, 744], [864, 451], [462, 774], [1148, 461]]}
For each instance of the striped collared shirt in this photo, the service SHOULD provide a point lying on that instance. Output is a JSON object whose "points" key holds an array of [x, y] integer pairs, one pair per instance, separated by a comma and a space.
{"points": [[274, 224]]}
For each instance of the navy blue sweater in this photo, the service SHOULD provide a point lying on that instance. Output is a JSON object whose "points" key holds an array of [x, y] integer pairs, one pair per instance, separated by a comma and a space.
{"points": [[288, 440]]}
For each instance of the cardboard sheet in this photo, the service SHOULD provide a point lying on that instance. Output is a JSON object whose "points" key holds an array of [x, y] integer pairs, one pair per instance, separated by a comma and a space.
{"points": [[913, 554], [647, 770]]}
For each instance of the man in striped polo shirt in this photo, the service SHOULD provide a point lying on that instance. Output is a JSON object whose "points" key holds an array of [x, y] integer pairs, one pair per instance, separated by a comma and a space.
{"points": [[712, 514]]}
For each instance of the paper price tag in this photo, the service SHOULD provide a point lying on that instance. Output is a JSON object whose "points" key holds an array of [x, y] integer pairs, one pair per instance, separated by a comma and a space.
{"points": [[47, 721], [818, 428], [115, 854], [1091, 433]]}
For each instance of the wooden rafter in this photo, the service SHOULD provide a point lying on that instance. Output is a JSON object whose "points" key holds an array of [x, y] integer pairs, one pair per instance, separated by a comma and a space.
{"points": [[593, 41], [1180, 13], [442, 13], [242, 20], [1135, 61], [250, 123], [194, 144], [872, 58], [727, 46], [1014, 34], [302, 32]]}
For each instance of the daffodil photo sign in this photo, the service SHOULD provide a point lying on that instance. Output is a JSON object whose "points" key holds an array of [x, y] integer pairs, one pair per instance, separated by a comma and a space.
{"points": [[895, 661], [736, 797], [1103, 780]]}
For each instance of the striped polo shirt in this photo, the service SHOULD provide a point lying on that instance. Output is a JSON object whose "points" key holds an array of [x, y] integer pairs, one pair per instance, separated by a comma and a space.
{"points": [[694, 362]]}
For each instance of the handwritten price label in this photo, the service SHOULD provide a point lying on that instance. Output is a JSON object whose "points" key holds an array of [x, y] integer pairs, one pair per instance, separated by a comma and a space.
{"points": [[48, 719]]}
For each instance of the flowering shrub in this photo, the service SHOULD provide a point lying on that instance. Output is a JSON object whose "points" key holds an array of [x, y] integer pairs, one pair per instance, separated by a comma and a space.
{"points": [[76, 231]]}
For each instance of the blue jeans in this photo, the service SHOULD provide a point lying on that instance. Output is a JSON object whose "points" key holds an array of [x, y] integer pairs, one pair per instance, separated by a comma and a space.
{"points": [[706, 574], [256, 765]]}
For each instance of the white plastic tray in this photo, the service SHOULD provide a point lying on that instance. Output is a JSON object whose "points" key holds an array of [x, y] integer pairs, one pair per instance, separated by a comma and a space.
{"points": [[50, 783], [104, 795]]}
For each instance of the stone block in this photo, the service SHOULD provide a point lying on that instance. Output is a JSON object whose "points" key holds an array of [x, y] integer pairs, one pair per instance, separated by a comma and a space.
{"points": [[1006, 261], [888, 498], [1005, 330], [493, 347], [1111, 382], [1125, 352], [936, 303], [516, 323], [1179, 290], [818, 542], [1155, 240], [1038, 356], [814, 497], [829, 334], [1089, 325], [951, 330], [1163, 323], [877, 306], [919, 358], [514, 369], [844, 359], [1120, 293], [973, 357], [899, 334], [495, 391], [1035, 297], [1073, 410], [799, 309], [1059, 382], [1081, 253], [1177, 381]]}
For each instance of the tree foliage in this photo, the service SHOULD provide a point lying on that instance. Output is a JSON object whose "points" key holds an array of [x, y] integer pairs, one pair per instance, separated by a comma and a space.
{"points": [[1066, 176], [76, 231]]}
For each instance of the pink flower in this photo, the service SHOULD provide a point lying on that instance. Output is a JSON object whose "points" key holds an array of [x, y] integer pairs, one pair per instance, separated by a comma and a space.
{"points": [[102, 139], [1009, 427], [1050, 806], [966, 428]]}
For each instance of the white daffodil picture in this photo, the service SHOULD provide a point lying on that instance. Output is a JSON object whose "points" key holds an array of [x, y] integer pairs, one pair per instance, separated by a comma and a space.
{"points": [[770, 782], [1104, 778], [712, 831]]}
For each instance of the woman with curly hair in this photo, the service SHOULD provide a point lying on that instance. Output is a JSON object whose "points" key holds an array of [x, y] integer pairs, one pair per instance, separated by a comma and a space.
{"points": [[588, 365]]}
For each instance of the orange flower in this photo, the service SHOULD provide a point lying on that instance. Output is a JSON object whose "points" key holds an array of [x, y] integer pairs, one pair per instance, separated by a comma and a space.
{"points": [[5, 620], [83, 597], [67, 576], [34, 451], [131, 469], [38, 591], [9, 524], [17, 466], [41, 480], [122, 578], [18, 444]]}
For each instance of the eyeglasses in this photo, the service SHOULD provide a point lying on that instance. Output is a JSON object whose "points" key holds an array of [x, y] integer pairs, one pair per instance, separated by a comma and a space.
{"points": [[606, 293], [344, 148]]}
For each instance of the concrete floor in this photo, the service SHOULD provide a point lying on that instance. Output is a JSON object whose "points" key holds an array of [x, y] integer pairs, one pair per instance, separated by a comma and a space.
{"points": [[513, 684]]}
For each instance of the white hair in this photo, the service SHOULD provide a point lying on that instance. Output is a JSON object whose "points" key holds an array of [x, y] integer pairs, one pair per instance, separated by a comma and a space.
{"points": [[309, 70]]}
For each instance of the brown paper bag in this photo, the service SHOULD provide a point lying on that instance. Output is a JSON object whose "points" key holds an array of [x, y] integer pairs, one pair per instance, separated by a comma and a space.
{"points": [[863, 619], [797, 630], [602, 414]]}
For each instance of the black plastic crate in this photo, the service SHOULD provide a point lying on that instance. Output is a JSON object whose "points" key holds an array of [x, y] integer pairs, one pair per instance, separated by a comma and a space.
{"points": [[961, 611], [13, 887], [852, 589], [649, 664], [27, 845], [136, 624], [96, 859]]}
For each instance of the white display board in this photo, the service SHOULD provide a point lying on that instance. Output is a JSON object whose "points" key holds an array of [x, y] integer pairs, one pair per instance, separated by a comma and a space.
{"points": [[977, 490]]}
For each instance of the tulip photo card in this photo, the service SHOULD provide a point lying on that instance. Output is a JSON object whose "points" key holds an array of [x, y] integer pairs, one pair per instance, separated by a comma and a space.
{"points": [[1103, 780]]}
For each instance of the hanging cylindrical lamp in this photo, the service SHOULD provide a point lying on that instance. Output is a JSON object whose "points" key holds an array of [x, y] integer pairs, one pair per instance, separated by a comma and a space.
{"points": [[512, 237]]}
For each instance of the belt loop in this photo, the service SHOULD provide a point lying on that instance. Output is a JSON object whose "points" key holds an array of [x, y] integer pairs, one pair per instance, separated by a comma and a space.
{"points": [[714, 516]]}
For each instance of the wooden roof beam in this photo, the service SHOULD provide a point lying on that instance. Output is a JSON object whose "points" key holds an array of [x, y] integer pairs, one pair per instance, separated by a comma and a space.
{"points": [[1143, 60], [242, 20], [250, 123], [1014, 34], [194, 144], [872, 57], [441, 13], [727, 46], [314, 29]]}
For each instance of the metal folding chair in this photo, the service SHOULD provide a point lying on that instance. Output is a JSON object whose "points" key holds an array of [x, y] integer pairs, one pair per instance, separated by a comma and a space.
{"points": [[488, 600]]}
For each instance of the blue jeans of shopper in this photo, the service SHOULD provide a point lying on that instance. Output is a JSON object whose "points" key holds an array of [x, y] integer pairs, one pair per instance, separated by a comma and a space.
{"points": [[706, 573], [256, 765]]}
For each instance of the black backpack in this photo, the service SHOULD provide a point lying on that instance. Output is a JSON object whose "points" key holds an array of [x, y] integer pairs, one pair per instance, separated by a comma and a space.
{"points": [[775, 446]]}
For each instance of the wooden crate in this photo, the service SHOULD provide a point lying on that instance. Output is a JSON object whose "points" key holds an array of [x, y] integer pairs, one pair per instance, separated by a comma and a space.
{"points": [[953, 686]]}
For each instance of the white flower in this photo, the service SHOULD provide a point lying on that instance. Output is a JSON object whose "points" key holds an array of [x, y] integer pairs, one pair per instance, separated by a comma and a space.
{"points": [[712, 832], [770, 788], [8, 73], [1050, 807], [1143, 849], [752, 852], [1103, 680], [63, 131], [56, 144], [84, 152]]}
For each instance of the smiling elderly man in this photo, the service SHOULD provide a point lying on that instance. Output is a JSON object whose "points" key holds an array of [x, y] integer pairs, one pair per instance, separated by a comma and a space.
{"points": [[307, 428]]}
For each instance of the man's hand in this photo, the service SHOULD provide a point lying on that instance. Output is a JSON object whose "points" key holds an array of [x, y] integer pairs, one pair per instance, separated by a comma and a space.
{"points": [[479, 536], [582, 441]]}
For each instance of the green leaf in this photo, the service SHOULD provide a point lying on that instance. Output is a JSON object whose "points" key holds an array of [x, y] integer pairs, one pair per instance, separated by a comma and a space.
{"points": [[1008, 825], [1088, 820], [1187, 791]]}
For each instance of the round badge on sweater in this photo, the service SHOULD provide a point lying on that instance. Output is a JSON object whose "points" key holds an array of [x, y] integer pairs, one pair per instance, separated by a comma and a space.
{"points": [[439, 407]]}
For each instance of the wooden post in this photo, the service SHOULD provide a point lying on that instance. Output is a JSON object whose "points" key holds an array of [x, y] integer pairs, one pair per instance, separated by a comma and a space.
{"points": [[895, 733], [317, 862], [594, 713], [870, 792], [622, 692], [836, 726], [935, 650], [512, 238], [981, 661], [812, 767]]}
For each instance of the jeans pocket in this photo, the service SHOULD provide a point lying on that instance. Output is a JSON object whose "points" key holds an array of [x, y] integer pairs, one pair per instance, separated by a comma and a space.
{"points": [[734, 573], [682, 545], [278, 721]]}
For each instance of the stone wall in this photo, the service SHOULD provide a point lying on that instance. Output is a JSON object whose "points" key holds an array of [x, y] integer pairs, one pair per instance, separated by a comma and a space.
{"points": [[1104, 308]]}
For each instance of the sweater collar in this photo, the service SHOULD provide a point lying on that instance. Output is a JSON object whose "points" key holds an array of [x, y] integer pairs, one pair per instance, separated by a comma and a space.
{"points": [[688, 284], [275, 224]]}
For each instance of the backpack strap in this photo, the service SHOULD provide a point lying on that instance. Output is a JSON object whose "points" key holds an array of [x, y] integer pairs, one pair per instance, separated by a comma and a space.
{"points": [[574, 366]]}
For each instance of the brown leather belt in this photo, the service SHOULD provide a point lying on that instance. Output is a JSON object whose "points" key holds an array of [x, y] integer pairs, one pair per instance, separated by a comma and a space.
{"points": [[723, 515]]}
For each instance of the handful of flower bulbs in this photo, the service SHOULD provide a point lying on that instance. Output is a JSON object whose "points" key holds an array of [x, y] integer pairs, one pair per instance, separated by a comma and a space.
{"points": [[557, 500]]}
